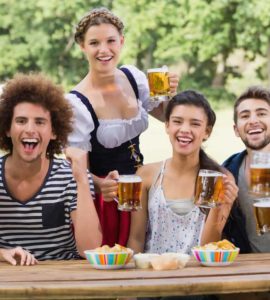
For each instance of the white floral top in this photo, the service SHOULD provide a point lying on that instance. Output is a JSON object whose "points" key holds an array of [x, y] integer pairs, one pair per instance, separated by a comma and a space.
{"points": [[168, 231]]}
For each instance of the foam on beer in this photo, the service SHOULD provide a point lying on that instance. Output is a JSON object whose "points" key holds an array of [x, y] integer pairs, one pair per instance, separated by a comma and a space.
{"points": [[129, 179], [265, 203], [260, 166], [158, 70], [212, 174]]}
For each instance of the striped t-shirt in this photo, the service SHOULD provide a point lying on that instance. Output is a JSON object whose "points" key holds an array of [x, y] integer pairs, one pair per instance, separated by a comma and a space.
{"points": [[42, 224]]}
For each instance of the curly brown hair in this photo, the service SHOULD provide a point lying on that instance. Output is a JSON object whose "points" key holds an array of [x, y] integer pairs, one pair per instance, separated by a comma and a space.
{"points": [[40, 90], [96, 16]]}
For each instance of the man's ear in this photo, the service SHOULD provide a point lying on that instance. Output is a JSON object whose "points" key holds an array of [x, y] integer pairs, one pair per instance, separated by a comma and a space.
{"points": [[8, 133], [236, 130]]}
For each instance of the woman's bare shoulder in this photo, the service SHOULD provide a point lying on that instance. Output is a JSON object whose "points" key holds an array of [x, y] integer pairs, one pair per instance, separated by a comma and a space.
{"points": [[149, 170]]}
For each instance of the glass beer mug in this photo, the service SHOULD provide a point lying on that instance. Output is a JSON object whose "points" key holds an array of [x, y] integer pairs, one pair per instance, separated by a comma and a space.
{"points": [[262, 215], [159, 84], [259, 189], [209, 188], [260, 174], [129, 192]]}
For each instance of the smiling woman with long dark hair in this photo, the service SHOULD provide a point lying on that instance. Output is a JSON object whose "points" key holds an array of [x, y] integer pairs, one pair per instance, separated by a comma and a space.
{"points": [[169, 221]]}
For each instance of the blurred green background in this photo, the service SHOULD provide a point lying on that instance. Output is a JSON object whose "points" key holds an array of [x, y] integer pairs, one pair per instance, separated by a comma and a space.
{"points": [[217, 46]]}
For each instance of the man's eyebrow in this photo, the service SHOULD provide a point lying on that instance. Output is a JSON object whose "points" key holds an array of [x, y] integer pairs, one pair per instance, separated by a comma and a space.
{"points": [[257, 109], [262, 109], [20, 117], [244, 111]]}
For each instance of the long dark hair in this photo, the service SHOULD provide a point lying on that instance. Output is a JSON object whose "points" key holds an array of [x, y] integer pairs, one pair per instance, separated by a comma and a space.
{"points": [[194, 98]]}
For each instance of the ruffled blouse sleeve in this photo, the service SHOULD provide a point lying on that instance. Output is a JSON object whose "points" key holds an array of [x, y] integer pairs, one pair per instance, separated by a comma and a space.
{"points": [[143, 87], [83, 124]]}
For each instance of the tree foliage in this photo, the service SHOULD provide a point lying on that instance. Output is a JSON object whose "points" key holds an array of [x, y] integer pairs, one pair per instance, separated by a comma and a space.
{"points": [[199, 35]]}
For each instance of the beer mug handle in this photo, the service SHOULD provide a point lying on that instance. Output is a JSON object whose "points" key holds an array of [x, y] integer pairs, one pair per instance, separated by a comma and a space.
{"points": [[115, 198]]}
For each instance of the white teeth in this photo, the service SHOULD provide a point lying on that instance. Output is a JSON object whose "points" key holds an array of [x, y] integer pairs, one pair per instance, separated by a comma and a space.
{"points": [[255, 131], [30, 140], [184, 140], [104, 58]]}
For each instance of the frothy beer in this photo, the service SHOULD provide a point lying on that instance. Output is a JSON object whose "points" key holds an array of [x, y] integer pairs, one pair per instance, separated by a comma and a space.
{"points": [[129, 192], [159, 84], [262, 214], [209, 188], [260, 180]]}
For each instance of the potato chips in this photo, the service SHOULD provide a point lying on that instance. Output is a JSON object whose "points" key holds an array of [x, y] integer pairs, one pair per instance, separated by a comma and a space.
{"points": [[220, 245], [115, 248]]}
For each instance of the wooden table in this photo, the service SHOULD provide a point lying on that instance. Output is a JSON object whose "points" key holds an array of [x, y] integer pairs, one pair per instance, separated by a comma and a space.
{"points": [[77, 280]]}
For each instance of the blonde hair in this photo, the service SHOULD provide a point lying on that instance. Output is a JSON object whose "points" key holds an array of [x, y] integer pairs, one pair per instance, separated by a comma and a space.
{"points": [[96, 16]]}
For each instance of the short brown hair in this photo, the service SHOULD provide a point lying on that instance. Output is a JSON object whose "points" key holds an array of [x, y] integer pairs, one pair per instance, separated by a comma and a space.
{"points": [[253, 92], [36, 89], [96, 16]]}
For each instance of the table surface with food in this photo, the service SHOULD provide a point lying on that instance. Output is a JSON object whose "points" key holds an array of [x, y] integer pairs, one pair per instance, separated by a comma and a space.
{"points": [[115, 272]]}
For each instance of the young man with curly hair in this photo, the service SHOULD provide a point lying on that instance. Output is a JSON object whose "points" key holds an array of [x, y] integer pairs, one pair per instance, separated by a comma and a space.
{"points": [[46, 203]]}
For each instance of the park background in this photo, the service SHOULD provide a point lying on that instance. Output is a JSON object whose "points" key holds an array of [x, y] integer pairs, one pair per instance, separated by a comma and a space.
{"points": [[219, 47]]}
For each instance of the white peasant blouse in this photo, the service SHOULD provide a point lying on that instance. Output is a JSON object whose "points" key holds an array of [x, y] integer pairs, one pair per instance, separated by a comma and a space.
{"points": [[111, 133]]}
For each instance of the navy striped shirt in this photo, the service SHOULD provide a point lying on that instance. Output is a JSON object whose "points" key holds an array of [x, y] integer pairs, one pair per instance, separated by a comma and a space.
{"points": [[42, 224]]}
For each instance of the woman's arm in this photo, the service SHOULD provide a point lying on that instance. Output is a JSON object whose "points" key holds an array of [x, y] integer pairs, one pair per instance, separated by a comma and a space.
{"points": [[143, 88], [218, 216], [87, 228], [139, 218], [83, 124]]}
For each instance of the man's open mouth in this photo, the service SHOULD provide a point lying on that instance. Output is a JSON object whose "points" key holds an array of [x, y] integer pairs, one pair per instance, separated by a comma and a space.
{"points": [[255, 131], [29, 144]]}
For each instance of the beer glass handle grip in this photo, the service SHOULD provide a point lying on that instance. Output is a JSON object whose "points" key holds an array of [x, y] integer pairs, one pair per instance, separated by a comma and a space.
{"points": [[115, 198]]}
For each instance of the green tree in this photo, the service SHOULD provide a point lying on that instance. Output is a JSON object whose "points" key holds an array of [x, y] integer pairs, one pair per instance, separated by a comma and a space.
{"points": [[253, 32], [148, 22], [37, 35], [199, 35]]}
